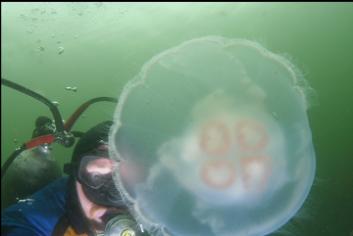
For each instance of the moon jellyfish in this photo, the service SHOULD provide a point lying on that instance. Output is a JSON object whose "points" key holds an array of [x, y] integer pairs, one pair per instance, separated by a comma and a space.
{"points": [[213, 138]]}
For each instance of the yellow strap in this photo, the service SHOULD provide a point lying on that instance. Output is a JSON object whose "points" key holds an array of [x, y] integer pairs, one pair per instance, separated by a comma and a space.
{"points": [[71, 232]]}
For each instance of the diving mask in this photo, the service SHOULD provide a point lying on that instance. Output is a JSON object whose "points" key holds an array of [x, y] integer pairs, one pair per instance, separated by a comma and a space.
{"points": [[95, 173]]}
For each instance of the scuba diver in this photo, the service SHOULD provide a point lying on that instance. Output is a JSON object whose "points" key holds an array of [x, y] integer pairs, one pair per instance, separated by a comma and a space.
{"points": [[86, 202]]}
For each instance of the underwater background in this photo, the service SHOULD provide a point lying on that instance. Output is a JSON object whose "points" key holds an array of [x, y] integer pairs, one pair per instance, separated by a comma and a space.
{"points": [[99, 47]]}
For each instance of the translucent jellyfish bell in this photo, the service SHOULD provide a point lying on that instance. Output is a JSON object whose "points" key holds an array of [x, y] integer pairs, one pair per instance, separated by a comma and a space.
{"points": [[213, 139]]}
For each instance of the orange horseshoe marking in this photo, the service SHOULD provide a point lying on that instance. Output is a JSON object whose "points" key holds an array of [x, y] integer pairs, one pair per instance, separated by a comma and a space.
{"points": [[258, 129], [264, 162], [218, 166], [222, 147]]}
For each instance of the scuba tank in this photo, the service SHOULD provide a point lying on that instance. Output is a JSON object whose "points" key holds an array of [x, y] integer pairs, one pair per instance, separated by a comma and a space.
{"points": [[32, 169]]}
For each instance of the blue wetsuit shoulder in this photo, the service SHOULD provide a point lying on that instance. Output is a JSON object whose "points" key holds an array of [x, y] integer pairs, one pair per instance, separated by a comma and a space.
{"points": [[37, 215]]}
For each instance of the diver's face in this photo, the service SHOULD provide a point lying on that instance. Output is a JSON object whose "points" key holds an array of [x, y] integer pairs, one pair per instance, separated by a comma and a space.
{"points": [[94, 212]]}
